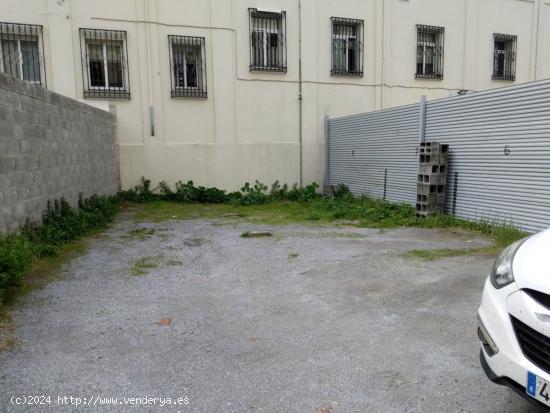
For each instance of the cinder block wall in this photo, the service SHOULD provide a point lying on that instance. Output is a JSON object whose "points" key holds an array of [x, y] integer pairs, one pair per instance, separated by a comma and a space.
{"points": [[51, 146]]}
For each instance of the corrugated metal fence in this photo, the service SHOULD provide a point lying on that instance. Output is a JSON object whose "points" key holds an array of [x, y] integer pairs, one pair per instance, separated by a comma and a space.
{"points": [[374, 153], [499, 167]]}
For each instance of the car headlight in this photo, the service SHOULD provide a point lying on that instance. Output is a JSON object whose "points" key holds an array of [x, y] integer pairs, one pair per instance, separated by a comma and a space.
{"points": [[502, 273]]}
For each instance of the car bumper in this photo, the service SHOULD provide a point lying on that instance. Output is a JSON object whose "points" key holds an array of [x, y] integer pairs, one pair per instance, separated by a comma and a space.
{"points": [[505, 381], [509, 366]]}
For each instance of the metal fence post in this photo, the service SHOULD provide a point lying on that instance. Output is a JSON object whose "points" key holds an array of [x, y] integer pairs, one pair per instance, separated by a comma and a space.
{"points": [[385, 182], [327, 156], [422, 127]]}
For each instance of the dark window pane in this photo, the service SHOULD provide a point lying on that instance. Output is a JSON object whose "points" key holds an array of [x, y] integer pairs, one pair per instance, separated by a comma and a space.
{"points": [[10, 58], [114, 66], [191, 67], [31, 60], [351, 55], [97, 74], [97, 66], [272, 51]]}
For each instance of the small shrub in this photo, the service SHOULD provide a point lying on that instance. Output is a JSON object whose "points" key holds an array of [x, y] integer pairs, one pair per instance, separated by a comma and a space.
{"points": [[342, 191], [140, 193], [165, 191], [305, 194], [61, 223], [314, 216], [251, 195], [16, 253], [278, 192], [189, 193]]}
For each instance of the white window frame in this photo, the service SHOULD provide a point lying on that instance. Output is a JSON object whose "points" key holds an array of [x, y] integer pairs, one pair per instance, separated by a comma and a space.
{"points": [[184, 62], [425, 46], [18, 39], [498, 53], [104, 44], [345, 38], [265, 31]]}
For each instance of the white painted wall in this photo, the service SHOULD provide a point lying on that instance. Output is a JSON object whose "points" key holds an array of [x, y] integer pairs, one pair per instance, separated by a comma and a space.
{"points": [[248, 128]]}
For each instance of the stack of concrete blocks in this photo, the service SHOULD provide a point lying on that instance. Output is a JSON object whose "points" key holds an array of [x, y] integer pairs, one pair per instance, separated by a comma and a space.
{"points": [[432, 178]]}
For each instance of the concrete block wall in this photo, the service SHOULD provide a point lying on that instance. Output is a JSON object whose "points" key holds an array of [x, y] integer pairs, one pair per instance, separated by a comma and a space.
{"points": [[51, 146]]}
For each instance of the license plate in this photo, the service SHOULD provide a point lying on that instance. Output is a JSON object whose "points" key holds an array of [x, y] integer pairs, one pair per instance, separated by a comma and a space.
{"points": [[538, 388]]}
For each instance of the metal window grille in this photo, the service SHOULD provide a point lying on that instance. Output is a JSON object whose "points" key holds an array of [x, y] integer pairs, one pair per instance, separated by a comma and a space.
{"points": [[22, 52], [104, 64], [347, 47], [504, 59], [267, 41], [429, 52], [188, 66]]}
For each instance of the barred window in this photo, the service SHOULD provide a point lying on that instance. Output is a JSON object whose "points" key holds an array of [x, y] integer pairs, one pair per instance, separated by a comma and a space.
{"points": [[504, 59], [188, 66], [429, 52], [21, 52], [267, 41], [104, 64], [347, 47]]}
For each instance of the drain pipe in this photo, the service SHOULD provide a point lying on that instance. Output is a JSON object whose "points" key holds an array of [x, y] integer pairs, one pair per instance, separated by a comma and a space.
{"points": [[300, 97]]}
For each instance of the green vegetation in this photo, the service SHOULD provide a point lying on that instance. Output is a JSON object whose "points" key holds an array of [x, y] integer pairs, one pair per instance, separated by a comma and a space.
{"points": [[140, 233], [143, 265], [248, 195], [61, 225], [286, 206], [437, 254]]}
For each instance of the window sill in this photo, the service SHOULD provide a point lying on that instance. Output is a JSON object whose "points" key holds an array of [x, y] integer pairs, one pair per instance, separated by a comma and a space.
{"points": [[113, 94], [428, 77], [197, 94], [268, 69], [346, 74], [505, 78]]}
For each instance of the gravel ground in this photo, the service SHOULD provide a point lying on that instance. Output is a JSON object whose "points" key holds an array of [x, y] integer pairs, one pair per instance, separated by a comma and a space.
{"points": [[313, 319]]}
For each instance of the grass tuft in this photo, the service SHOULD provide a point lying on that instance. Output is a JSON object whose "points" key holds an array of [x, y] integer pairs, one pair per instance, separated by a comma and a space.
{"points": [[140, 233], [437, 254], [143, 265]]}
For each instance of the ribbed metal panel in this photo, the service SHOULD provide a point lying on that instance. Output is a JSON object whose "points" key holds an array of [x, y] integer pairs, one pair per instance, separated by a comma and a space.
{"points": [[499, 153], [362, 147]]}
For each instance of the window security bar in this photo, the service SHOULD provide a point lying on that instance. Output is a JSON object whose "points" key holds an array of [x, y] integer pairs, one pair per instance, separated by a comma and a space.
{"points": [[22, 52], [429, 52], [347, 47], [105, 64], [267, 41], [187, 66], [504, 59]]}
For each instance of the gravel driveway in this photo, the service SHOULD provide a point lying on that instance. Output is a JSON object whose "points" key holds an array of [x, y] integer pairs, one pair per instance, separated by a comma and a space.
{"points": [[313, 319]]}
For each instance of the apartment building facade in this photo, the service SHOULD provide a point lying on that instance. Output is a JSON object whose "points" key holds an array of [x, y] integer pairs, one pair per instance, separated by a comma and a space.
{"points": [[228, 91]]}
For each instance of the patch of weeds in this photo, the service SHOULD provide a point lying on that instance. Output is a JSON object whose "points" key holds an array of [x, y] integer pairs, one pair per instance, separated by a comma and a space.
{"points": [[503, 234], [7, 336], [314, 216], [140, 234], [293, 255], [174, 263], [438, 254], [351, 235], [143, 265], [41, 271], [284, 205]]}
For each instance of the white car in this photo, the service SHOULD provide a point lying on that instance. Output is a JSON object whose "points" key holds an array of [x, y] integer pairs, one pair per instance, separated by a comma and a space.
{"points": [[514, 319]]}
